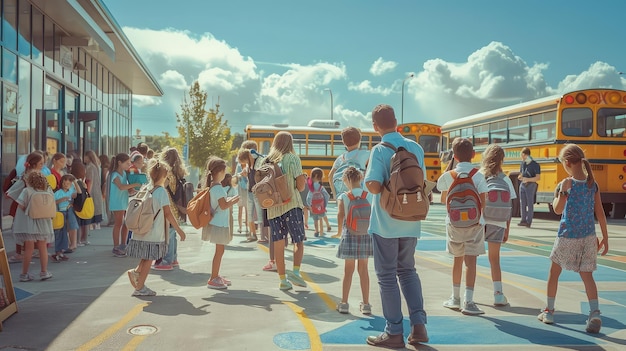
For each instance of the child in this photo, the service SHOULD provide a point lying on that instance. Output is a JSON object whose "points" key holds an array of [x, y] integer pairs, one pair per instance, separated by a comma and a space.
{"points": [[354, 156], [465, 244], [119, 190], [151, 246], [33, 231], [63, 198], [135, 173], [317, 200], [229, 183], [496, 232], [217, 231], [304, 194], [353, 247], [577, 198], [79, 173], [242, 190]]}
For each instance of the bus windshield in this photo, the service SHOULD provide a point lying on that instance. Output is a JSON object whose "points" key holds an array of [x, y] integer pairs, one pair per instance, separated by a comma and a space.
{"points": [[612, 122]]}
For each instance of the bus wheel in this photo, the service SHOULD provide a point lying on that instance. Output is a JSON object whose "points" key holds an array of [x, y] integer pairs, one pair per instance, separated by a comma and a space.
{"points": [[515, 210], [619, 210]]}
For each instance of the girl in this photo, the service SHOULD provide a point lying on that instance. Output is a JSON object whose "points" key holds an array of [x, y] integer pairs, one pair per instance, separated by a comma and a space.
{"points": [[57, 165], [118, 200], [288, 218], [104, 176], [33, 231], [64, 197], [94, 186], [152, 246], [79, 172], [217, 231], [496, 233], [353, 247], [577, 198], [315, 187]]}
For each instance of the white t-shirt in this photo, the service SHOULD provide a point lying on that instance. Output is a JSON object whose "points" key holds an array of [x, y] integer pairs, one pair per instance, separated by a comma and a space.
{"points": [[445, 180]]}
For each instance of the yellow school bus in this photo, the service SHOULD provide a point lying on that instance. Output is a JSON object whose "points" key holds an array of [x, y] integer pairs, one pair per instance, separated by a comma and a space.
{"points": [[594, 119]]}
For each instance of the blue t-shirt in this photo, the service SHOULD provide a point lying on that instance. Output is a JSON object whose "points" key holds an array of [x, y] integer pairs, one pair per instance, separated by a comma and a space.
{"points": [[577, 219], [530, 169], [220, 217], [59, 194], [118, 199], [378, 170]]}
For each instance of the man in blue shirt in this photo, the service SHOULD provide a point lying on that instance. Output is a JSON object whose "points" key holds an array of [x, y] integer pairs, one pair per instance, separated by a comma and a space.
{"points": [[394, 241], [529, 176]]}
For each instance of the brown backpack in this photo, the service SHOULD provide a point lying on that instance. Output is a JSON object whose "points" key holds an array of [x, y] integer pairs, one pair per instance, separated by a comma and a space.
{"points": [[271, 188], [199, 211], [403, 195]]}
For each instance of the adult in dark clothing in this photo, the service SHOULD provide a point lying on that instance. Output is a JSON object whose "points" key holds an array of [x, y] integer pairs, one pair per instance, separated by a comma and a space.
{"points": [[530, 172]]}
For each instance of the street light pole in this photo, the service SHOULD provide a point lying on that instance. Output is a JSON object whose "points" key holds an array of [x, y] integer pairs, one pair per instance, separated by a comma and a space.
{"points": [[331, 102], [402, 108]]}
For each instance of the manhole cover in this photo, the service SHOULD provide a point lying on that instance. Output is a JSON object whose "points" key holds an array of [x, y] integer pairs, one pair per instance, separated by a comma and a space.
{"points": [[143, 330]]}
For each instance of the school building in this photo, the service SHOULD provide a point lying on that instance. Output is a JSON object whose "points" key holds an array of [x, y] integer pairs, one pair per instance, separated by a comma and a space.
{"points": [[67, 79]]}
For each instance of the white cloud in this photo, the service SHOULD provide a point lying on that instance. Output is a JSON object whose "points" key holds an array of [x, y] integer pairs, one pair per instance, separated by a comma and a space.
{"points": [[367, 88], [173, 79], [380, 67]]}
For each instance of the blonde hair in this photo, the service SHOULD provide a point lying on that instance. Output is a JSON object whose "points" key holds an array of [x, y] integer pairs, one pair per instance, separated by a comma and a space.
{"points": [[575, 155], [157, 170], [37, 181], [170, 156], [92, 158], [493, 157], [352, 175], [282, 145]]}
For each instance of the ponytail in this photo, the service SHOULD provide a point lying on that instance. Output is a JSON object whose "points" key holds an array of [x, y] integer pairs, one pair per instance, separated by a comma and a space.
{"points": [[590, 178]]}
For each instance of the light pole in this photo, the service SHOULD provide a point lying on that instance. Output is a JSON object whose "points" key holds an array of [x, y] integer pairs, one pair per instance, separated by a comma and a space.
{"points": [[402, 108], [331, 102]]}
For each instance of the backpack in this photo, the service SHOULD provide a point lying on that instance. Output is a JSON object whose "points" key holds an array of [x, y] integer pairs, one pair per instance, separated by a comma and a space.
{"points": [[180, 196], [340, 187], [41, 204], [403, 195], [498, 205], [271, 187], [140, 213], [79, 200], [358, 216], [318, 202], [199, 211], [463, 201]]}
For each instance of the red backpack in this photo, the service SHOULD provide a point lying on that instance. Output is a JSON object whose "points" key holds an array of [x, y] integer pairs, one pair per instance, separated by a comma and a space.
{"points": [[359, 213], [318, 203]]}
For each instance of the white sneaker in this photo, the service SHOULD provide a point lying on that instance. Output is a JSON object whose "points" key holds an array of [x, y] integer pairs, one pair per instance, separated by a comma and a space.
{"points": [[500, 300], [594, 323], [453, 303], [546, 316], [470, 308]]}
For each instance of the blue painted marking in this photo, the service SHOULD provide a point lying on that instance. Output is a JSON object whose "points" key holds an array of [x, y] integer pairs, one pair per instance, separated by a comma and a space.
{"points": [[293, 341], [21, 294], [615, 296], [440, 245], [538, 266]]}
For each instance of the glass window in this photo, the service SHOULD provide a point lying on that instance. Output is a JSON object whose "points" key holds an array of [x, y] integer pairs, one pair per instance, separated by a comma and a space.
{"points": [[23, 107], [318, 148], [24, 40], [411, 136], [9, 66], [37, 108], [577, 122], [299, 143], [612, 122], [481, 135], [48, 43], [430, 143], [38, 36], [518, 129], [498, 132], [9, 24], [543, 126]]}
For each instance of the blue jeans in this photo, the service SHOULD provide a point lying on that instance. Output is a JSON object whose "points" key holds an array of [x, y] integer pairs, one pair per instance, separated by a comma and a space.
{"points": [[61, 240], [527, 193], [394, 261], [171, 254]]}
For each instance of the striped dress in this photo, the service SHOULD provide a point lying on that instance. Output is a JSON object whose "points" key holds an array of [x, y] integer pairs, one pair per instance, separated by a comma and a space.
{"points": [[152, 245]]}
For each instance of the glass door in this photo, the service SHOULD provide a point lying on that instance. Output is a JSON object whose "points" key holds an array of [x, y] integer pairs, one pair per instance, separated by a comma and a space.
{"points": [[72, 146], [49, 119]]}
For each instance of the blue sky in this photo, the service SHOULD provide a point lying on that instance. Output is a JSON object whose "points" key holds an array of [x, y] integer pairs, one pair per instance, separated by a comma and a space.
{"points": [[271, 61]]}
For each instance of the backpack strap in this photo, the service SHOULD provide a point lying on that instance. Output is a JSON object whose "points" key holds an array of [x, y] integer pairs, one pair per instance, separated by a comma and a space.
{"points": [[384, 143], [364, 194], [350, 195]]}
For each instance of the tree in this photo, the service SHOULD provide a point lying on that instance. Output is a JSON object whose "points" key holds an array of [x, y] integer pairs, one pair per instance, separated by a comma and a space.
{"points": [[208, 133]]}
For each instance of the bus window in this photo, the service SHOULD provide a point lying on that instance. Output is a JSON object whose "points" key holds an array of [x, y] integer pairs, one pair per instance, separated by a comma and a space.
{"points": [[498, 132], [481, 135], [542, 126], [265, 147], [576, 122], [338, 147], [611, 122], [411, 136], [299, 143], [376, 139], [319, 145], [430, 143], [518, 129]]}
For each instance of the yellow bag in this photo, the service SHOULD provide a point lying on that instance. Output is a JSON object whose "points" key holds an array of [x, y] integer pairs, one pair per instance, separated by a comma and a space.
{"points": [[88, 209], [52, 180], [58, 221]]}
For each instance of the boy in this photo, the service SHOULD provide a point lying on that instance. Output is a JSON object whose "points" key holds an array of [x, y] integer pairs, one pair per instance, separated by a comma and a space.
{"points": [[354, 156], [465, 244], [316, 193], [394, 241]]}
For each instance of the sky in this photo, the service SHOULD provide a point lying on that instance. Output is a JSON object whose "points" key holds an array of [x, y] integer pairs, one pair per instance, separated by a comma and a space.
{"points": [[286, 61]]}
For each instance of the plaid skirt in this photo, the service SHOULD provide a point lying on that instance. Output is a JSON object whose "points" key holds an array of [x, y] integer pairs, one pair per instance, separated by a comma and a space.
{"points": [[355, 247]]}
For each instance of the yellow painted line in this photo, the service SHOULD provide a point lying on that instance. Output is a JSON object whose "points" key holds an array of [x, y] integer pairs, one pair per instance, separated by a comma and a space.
{"points": [[487, 276], [134, 343], [322, 294], [114, 328], [314, 337]]}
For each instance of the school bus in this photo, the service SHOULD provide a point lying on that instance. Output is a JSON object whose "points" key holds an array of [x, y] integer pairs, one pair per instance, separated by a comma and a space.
{"points": [[429, 137], [594, 119]]}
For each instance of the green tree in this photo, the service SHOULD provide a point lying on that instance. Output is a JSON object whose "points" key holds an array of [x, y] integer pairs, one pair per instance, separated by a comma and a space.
{"points": [[209, 134]]}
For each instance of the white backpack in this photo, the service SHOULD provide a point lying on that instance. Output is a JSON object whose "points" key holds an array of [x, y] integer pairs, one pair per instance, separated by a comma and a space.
{"points": [[140, 213], [41, 204]]}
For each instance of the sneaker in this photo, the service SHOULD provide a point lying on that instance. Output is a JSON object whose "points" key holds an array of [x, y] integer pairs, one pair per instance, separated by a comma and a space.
{"points": [[62, 257], [453, 303], [133, 276], [343, 307], [26, 277], [117, 252], [594, 323], [285, 285], [36, 254], [145, 291], [295, 279], [162, 267], [98, 226], [270, 266], [395, 341], [418, 334], [55, 258], [365, 308], [226, 282], [522, 224], [546, 316], [175, 263], [45, 275], [470, 308], [252, 239], [316, 234], [15, 259], [216, 283], [500, 300]]}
